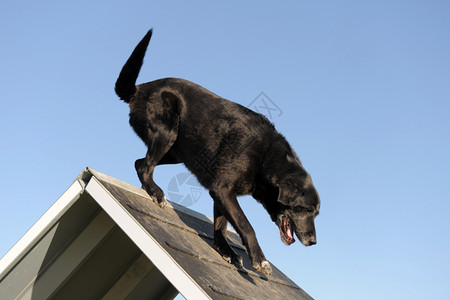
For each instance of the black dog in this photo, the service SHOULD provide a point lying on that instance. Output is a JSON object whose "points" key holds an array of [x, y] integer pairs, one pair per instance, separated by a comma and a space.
{"points": [[231, 150]]}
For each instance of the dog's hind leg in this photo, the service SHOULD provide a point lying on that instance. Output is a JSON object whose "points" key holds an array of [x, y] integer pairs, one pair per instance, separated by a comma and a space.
{"points": [[156, 154], [159, 131], [144, 168], [220, 239], [229, 206]]}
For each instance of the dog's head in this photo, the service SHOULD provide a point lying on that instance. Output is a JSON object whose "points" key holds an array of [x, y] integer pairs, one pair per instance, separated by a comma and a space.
{"points": [[299, 204]]}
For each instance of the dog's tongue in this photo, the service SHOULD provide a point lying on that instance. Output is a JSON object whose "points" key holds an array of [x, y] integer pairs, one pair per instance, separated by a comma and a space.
{"points": [[289, 235]]}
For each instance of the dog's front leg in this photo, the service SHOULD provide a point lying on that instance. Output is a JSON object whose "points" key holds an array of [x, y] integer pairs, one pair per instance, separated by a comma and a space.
{"points": [[229, 206], [220, 239]]}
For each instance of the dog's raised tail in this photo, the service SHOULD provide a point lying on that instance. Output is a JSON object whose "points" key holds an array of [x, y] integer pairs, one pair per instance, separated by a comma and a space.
{"points": [[126, 83]]}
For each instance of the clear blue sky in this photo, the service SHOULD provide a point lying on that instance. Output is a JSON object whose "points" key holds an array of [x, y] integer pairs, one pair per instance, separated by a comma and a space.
{"points": [[364, 90]]}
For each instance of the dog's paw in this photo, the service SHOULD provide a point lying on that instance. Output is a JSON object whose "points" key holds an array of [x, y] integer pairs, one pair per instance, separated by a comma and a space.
{"points": [[238, 262], [227, 258], [263, 267], [162, 202], [235, 260]]}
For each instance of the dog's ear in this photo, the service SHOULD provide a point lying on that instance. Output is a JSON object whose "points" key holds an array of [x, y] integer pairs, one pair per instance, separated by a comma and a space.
{"points": [[284, 194], [290, 195]]}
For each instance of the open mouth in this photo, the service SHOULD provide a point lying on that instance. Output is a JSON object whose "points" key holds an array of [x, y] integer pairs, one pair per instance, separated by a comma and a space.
{"points": [[287, 230]]}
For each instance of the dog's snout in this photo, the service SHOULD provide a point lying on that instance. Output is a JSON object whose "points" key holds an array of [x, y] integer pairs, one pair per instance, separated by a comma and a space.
{"points": [[308, 239], [312, 242]]}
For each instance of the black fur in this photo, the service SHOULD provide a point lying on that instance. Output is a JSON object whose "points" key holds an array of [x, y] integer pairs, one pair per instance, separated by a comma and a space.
{"points": [[231, 150]]}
